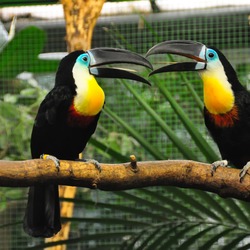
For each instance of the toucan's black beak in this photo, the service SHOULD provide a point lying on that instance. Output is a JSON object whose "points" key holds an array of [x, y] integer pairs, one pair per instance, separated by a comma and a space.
{"points": [[103, 56], [190, 49]]}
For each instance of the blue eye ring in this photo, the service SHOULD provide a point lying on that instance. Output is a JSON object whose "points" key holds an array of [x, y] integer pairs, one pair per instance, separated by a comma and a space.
{"points": [[84, 59], [211, 54]]}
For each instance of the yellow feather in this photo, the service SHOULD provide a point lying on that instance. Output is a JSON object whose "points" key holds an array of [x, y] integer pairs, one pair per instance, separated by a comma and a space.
{"points": [[218, 94], [91, 101], [90, 96]]}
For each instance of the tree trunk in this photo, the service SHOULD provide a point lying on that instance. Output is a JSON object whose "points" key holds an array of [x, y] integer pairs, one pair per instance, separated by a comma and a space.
{"points": [[80, 17]]}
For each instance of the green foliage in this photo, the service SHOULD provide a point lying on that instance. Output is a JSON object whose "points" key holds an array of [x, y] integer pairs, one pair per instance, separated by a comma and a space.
{"points": [[16, 123], [173, 218], [21, 54], [19, 99], [150, 218], [169, 218]]}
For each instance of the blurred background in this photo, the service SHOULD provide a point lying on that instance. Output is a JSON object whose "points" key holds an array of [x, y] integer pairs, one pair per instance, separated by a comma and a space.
{"points": [[32, 41]]}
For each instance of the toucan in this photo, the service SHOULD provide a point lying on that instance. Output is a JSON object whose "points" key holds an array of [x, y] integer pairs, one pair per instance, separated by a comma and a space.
{"points": [[66, 119], [226, 100]]}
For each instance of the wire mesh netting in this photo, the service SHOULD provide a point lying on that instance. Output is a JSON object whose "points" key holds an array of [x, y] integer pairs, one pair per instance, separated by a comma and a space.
{"points": [[23, 86]]}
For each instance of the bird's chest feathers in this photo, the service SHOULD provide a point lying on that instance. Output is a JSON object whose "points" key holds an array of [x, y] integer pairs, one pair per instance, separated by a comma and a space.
{"points": [[89, 98], [219, 99], [224, 120], [88, 101], [218, 94]]}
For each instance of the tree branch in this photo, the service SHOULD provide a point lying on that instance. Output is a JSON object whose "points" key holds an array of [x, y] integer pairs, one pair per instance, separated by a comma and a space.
{"points": [[180, 173]]}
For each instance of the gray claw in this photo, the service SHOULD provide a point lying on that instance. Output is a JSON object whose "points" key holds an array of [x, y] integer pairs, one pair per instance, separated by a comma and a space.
{"points": [[216, 164], [244, 171], [96, 163], [53, 158]]}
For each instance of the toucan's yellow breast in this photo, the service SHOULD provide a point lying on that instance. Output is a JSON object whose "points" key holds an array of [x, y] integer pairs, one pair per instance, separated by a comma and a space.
{"points": [[90, 97], [218, 95]]}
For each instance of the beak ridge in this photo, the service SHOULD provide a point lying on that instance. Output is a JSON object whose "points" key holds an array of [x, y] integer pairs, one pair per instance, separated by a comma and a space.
{"points": [[178, 47], [187, 48], [103, 56]]}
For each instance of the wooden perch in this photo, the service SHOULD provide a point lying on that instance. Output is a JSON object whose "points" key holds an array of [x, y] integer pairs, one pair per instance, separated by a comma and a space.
{"points": [[180, 173]]}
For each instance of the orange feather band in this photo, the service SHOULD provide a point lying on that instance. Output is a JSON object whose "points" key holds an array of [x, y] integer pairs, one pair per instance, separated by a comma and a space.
{"points": [[225, 120], [77, 120]]}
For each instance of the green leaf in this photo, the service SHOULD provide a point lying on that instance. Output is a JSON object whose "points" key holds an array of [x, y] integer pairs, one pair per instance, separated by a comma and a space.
{"points": [[166, 241], [171, 59], [163, 125], [85, 238], [189, 125], [154, 236], [246, 207], [234, 209], [110, 221], [197, 206], [203, 203], [193, 93], [152, 206], [189, 241], [212, 202], [11, 224], [8, 110], [235, 242], [130, 244], [131, 131], [214, 238], [117, 207], [116, 155], [246, 247], [21, 54], [177, 207]]}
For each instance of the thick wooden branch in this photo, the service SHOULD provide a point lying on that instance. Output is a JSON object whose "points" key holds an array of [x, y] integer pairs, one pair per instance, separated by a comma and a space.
{"points": [[181, 173]]}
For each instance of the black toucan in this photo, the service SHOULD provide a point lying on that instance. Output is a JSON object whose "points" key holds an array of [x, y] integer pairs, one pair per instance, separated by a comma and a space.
{"points": [[65, 121], [226, 101]]}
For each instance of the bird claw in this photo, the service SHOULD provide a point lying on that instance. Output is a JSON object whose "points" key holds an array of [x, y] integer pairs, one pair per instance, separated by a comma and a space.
{"points": [[53, 158], [244, 171], [95, 162], [216, 164]]}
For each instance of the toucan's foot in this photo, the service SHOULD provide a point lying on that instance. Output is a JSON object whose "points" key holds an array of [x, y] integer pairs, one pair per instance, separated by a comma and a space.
{"points": [[216, 164], [53, 158], [95, 162], [244, 171]]}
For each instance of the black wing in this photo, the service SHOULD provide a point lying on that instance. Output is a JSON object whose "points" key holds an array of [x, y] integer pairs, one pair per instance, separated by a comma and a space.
{"points": [[52, 134]]}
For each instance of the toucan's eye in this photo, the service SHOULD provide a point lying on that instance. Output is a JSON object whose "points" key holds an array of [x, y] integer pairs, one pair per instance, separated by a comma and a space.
{"points": [[211, 55], [85, 59]]}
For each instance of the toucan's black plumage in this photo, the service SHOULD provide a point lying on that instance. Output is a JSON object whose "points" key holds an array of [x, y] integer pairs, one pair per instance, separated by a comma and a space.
{"points": [[227, 102], [65, 121]]}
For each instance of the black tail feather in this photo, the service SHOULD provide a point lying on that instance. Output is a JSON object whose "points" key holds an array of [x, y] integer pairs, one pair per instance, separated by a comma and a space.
{"points": [[42, 216]]}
